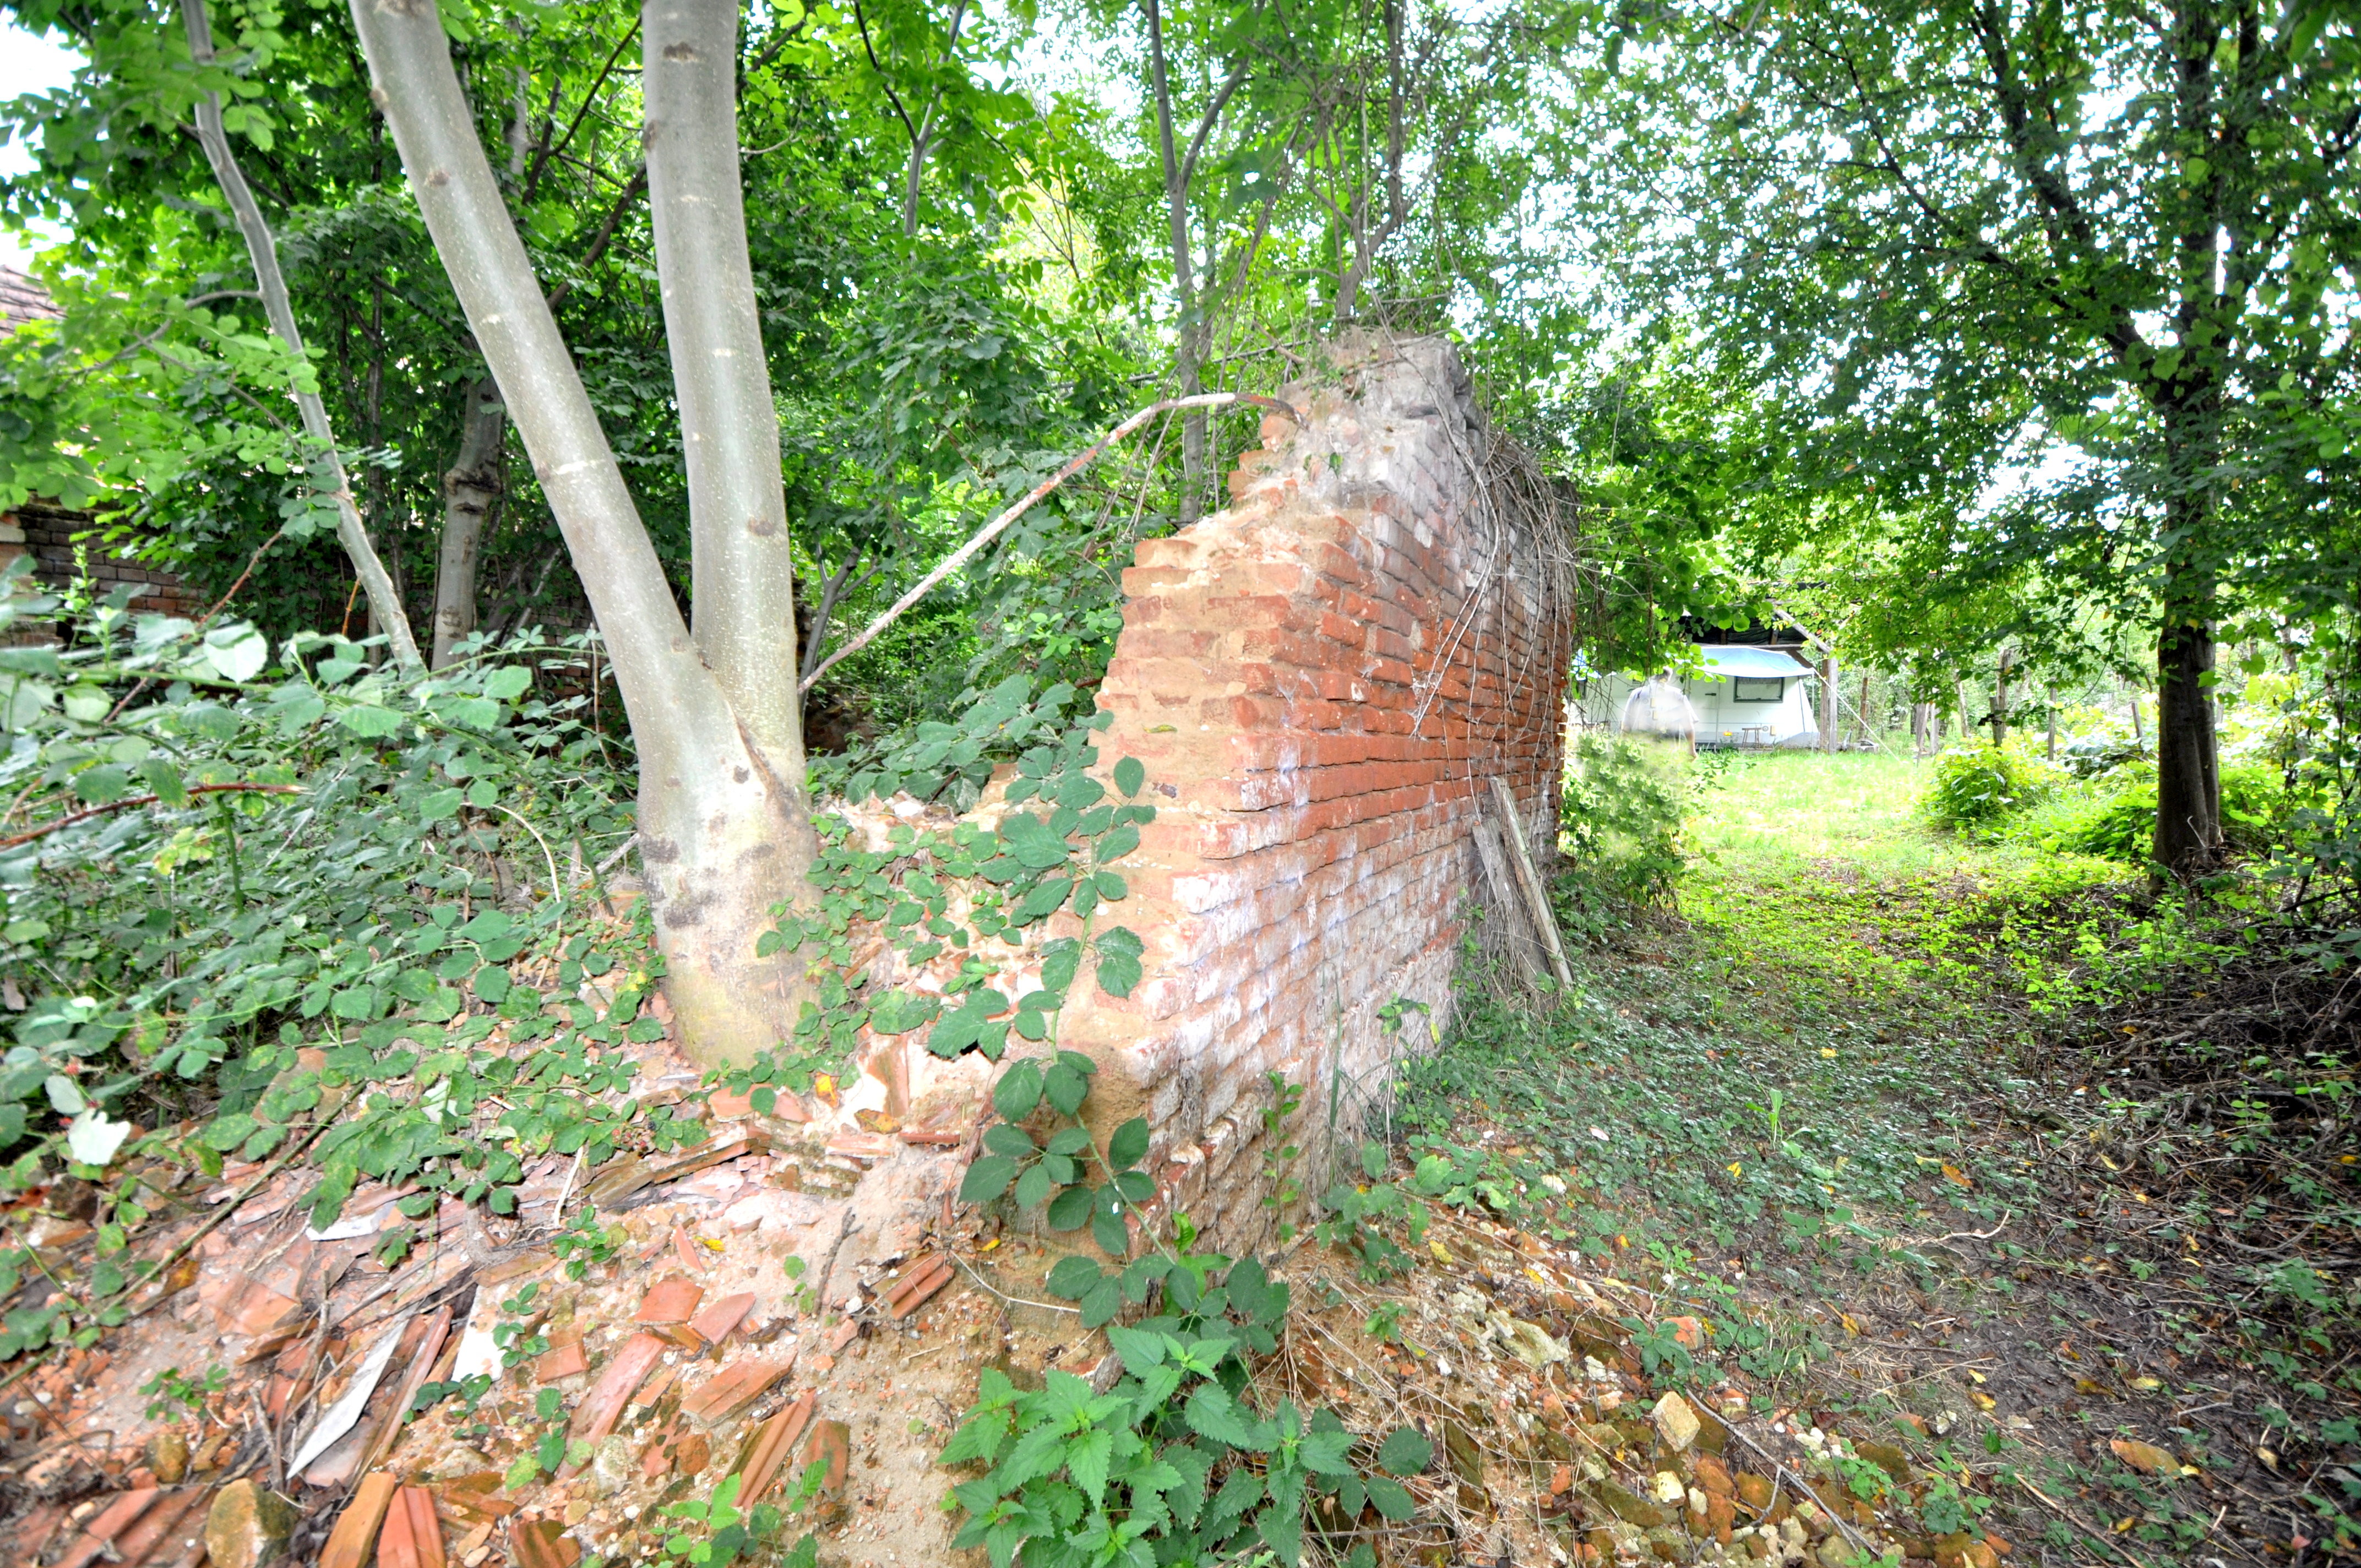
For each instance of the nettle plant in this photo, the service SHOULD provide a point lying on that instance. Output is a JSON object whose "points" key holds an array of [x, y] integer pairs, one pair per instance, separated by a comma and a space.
{"points": [[1174, 1463], [213, 861], [1059, 856]]}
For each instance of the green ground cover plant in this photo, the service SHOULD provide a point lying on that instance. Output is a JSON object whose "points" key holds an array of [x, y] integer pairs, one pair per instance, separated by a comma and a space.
{"points": [[226, 852], [1878, 1093]]}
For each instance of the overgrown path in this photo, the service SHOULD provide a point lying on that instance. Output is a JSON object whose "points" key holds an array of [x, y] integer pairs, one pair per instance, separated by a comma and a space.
{"points": [[1854, 1097]]}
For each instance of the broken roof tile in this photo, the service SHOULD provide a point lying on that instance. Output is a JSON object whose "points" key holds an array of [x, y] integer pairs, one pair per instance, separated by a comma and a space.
{"points": [[562, 1359], [714, 1324], [106, 1525], [603, 1406], [767, 1448], [542, 1543], [734, 1388], [917, 1284], [831, 1443], [671, 1300], [353, 1539]]}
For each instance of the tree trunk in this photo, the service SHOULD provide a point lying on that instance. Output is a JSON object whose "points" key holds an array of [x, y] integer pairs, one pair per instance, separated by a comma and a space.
{"points": [[743, 584], [385, 603], [2000, 701], [470, 486], [2188, 778], [2049, 694], [1176, 203], [721, 835], [2139, 733]]}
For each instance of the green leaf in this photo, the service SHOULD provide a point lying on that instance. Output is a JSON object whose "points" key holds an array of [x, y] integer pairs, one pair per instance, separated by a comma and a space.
{"points": [[1391, 1497], [1404, 1453], [1119, 968], [436, 804], [507, 684], [987, 1178], [1129, 774], [1128, 1146], [1324, 1452], [1065, 1086], [1071, 1210], [1072, 1278], [1045, 900], [371, 722], [237, 652], [1139, 1348], [1211, 1412], [1033, 1186], [1018, 1093], [1003, 1139], [1102, 1304]]}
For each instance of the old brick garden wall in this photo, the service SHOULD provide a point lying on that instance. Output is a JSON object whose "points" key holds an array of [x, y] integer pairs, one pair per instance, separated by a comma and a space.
{"points": [[1322, 680]]}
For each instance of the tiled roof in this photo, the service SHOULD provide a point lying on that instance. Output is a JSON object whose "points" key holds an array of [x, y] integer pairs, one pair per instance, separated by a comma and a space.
{"points": [[22, 299]]}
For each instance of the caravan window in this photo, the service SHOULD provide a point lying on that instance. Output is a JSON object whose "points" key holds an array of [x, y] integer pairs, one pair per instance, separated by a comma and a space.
{"points": [[1756, 689]]}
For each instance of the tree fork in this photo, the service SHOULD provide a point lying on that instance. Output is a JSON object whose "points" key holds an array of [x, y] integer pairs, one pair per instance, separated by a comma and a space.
{"points": [[722, 839]]}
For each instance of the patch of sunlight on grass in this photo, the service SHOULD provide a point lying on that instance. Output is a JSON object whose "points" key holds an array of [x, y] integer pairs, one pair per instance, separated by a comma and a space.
{"points": [[1779, 812]]}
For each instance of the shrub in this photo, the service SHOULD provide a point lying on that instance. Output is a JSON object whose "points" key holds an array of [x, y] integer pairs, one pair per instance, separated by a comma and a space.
{"points": [[2257, 812], [1975, 786], [1620, 819]]}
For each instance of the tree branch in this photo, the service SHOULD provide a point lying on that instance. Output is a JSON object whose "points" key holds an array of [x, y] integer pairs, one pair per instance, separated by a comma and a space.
{"points": [[264, 253], [86, 813], [1026, 503]]}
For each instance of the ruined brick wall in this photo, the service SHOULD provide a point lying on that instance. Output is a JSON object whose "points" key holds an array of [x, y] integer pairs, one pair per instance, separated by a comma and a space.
{"points": [[1322, 680], [66, 545]]}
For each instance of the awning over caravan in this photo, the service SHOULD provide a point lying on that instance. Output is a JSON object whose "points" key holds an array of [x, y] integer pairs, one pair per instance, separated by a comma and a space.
{"points": [[1757, 663]]}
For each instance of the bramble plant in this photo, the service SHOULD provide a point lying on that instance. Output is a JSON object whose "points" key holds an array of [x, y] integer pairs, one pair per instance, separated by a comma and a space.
{"points": [[1009, 882], [1174, 1464], [223, 854]]}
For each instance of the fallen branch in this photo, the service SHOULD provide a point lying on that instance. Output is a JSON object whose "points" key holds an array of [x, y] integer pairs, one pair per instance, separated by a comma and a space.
{"points": [[1026, 503], [86, 813]]}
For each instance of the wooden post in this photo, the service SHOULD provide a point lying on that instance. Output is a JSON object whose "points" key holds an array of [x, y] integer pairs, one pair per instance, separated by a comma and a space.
{"points": [[1512, 828], [1829, 704]]}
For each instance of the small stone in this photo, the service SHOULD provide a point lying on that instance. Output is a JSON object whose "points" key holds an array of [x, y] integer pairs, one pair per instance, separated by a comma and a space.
{"points": [[1668, 1545], [248, 1526], [168, 1457], [1696, 1501], [1675, 1422], [1627, 1505], [576, 1511], [1669, 1488], [1755, 1490], [610, 1465]]}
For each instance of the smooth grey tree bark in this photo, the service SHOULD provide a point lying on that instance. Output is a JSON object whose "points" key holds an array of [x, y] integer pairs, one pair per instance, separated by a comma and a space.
{"points": [[471, 487], [385, 603], [723, 834], [743, 582]]}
